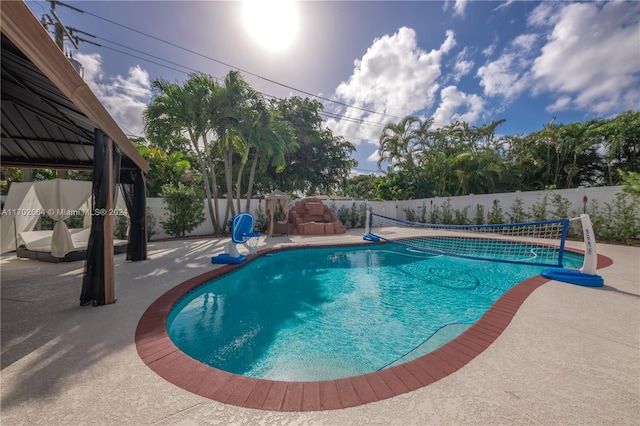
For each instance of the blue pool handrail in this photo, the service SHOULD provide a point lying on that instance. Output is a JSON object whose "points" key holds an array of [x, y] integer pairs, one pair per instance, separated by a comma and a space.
{"points": [[242, 228], [241, 233]]}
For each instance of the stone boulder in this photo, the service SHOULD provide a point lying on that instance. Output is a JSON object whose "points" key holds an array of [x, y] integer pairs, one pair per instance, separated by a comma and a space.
{"points": [[311, 216]]}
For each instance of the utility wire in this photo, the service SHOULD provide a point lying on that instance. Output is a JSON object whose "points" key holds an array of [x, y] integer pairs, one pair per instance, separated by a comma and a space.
{"points": [[325, 113], [237, 68], [322, 113]]}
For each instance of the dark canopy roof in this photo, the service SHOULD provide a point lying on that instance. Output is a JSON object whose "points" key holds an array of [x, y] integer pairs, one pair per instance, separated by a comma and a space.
{"points": [[48, 112]]}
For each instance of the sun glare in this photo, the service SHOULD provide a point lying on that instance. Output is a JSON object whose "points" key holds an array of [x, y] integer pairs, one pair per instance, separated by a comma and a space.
{"points": [[272, 23]]}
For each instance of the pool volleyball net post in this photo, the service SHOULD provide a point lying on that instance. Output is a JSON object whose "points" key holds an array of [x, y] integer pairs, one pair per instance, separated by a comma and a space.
{"points": [[532, 243]]}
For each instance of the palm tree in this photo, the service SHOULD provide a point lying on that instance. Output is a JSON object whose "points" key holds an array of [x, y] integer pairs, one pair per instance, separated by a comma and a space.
{"points": [[270, 138], [178, 110], [396, 143], [231, 108]]}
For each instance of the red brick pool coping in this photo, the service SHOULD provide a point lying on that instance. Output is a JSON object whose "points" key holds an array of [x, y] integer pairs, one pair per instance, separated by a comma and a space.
{"points": [[160, 354]]}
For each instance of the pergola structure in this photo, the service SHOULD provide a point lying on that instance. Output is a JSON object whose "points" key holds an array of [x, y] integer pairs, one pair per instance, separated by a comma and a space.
{"points": [[277, 200], [52, 119]]}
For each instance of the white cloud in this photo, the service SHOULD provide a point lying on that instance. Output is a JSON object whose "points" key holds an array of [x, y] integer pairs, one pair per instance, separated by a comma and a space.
{"points": [[374, 157], [394, 77], [124, 97], [458, 7], [490, 50], [504, 5], [462, 66], [452, 100], [560, 104], [544, 14], [586, 56], [525, 41], [592, 56], [505, 76], [92, 67]]}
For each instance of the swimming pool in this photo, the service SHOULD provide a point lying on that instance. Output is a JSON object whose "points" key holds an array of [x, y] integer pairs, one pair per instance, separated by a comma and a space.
{"points": [[328, 313]]}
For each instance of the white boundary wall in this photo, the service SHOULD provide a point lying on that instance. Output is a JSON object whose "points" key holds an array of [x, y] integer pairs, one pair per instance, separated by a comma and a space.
{"points": [[206, 227], [529, 198], [395, 209]]}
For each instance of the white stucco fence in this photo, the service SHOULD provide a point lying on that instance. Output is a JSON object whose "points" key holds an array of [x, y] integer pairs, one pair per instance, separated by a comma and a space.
{"points": [[396, 209]]}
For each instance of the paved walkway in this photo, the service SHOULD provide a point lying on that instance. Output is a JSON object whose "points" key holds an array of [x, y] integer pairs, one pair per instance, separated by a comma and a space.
{"points": [[571, 355]]}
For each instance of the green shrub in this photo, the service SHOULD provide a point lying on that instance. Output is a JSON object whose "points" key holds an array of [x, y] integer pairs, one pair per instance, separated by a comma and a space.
{"points": [[151, 224], [446, 214], [75, 220], [343, 215], [362, 214], [539, 210], [44, 223], [495, 216], [409, 214], [260, 224], [461, 217], [478, 217], [434, 215], [517, 213], [422, 212], [354, 216], [560, 206], [121, 227], [620, 221], [184, 207]]}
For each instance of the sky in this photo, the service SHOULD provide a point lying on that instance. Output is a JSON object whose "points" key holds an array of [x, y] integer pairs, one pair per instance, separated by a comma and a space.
{"points": [[371, 63]]}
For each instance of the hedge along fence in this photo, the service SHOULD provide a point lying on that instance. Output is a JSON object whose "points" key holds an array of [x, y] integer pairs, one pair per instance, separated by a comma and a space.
{"points": [[156, 208], [602, 203], [578, 200]]}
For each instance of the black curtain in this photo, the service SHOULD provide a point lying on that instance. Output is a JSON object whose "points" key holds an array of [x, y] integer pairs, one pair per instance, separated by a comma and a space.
{"points": [[117, 156], [93, 280], [134, 191]]}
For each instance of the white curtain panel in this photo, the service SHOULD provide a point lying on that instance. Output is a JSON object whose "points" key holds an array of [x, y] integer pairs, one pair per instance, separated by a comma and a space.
{"points": [[22, 212], [59, 198]]}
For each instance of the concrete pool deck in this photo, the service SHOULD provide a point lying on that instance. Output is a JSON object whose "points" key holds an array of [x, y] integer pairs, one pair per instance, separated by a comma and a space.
{"points": [[571, 355]]}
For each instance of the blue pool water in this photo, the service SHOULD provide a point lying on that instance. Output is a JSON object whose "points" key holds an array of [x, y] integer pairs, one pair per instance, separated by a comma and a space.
{"points": [[327, 313]]}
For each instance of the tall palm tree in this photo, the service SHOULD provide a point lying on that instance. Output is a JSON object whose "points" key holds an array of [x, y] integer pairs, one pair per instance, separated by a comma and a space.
{"points": [[184, 110], [270, 138], [232, 106], [397, 143]]}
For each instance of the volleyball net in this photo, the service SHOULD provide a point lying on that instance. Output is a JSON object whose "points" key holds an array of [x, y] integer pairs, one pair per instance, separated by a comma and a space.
{"points": [[535, 243]]}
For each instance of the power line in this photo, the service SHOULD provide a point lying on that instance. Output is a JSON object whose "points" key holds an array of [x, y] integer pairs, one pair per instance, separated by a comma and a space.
{"points": [[322, 113], [329, 114], [234, 67], [351, 119]]}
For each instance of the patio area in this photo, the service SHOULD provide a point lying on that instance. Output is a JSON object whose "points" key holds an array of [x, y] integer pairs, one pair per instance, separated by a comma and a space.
{"points": [[571, 354]]}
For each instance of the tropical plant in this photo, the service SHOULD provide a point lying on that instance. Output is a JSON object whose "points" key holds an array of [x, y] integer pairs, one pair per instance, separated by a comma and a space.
{"points": [[516, 213], [478, 217], [495, 216], [177, 112], [343, 215], [184, 209], [539, 210], [460, 216], [410, 214], [121, 228], [561, 206], [362, 212], [151, 224], [446, 212], [232, 117], [321, 163], [269, 138]]}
